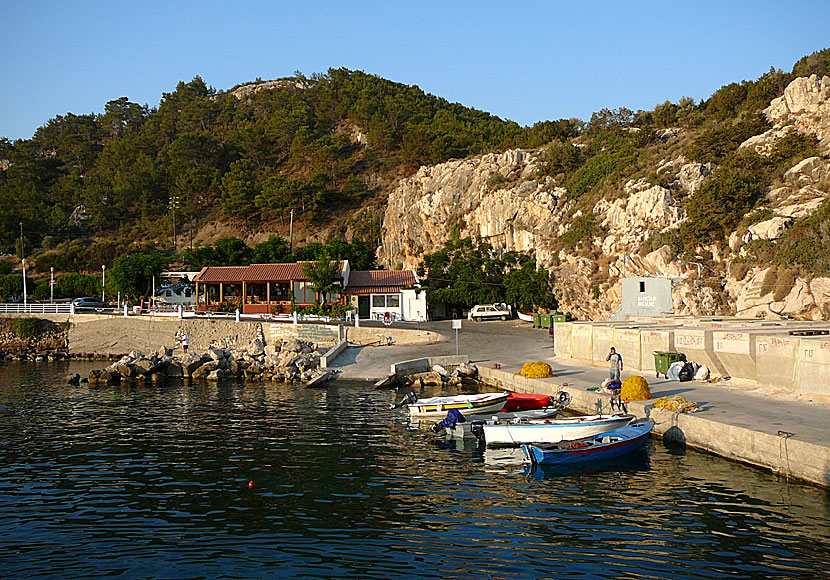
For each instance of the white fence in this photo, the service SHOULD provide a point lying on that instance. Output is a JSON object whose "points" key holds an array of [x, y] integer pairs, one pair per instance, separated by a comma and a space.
{"points": [[35, 308]]}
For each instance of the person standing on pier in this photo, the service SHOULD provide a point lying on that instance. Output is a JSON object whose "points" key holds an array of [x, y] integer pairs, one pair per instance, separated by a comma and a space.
{"points": [[616, 361]]}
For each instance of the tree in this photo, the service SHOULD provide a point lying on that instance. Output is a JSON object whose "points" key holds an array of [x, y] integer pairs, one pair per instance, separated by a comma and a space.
{"points": [[239, 189], [322, 273], [529, 288], [273, 250], [132, 274]]}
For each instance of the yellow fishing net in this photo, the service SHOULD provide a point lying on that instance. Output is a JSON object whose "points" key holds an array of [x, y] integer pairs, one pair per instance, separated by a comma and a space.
{"points": [[635, 388], [677, 404], [536, 370]]}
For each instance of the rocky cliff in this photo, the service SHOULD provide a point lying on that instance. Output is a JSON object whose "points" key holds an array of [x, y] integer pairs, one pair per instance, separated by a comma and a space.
{"points": [[502, 198]]}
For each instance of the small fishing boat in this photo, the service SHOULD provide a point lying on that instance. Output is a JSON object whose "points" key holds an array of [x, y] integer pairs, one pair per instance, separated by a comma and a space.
{"points": [[608, 445], [522, 431], [457, 425], [437, 407], [528, 401], [525, 317]]}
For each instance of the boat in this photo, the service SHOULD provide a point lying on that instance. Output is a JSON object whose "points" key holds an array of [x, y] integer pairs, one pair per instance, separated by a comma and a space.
{"points": [[529, 401], [437, 407], [522, 431], [523, 408], [525, 317], [600, 447], [457, 425]]}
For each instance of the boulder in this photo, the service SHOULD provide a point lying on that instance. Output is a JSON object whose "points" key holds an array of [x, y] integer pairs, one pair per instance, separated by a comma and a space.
{"points": [[174, 370], [72, 378], [770, 229], [144, 366], [215, 375]]}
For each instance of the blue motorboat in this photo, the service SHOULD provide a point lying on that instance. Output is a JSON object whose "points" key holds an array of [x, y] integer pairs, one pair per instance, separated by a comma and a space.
{"points": [[606, 445]]}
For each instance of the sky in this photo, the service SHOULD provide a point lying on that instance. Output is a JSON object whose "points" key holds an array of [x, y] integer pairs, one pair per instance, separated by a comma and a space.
{"points": [[525, 61]]}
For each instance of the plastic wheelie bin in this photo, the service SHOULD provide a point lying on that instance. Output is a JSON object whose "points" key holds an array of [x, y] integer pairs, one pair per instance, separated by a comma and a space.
{"points": [[663, 360]]}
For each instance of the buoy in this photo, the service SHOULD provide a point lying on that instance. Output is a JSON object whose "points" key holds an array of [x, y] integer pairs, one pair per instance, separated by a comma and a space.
{"points": [[251, 484]]}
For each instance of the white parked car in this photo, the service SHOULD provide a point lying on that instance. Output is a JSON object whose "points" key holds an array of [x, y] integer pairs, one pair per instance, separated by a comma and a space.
{"points": [[481, 312]]}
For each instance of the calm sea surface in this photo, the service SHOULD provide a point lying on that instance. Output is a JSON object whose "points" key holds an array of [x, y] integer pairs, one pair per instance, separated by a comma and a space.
{"points": [[152, 482]]}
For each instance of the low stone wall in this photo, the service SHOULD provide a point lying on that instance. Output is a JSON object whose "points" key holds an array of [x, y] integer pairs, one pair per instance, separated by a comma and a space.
{"points": [[115, 336]]}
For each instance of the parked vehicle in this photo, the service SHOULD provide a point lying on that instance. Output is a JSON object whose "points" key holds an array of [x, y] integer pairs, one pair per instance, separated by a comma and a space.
{"points": [[177, 294], [89, 304], [481, 312]]}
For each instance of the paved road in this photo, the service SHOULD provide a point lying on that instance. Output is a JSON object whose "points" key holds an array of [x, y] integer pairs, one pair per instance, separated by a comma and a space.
{"points": [[512, 343]]}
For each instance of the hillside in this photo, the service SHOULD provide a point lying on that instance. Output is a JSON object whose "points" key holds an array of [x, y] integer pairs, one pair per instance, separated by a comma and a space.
{"points": [[728, 196], [206, 164]]}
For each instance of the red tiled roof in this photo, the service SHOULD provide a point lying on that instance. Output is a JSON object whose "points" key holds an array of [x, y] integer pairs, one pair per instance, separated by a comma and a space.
{"points": [[273, 272], [283, 272], [359, 279], [216, 274], [366, 290]]}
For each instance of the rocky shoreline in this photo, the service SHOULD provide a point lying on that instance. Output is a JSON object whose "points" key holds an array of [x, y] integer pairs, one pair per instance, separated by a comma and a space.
{"points": [[289, 361]]}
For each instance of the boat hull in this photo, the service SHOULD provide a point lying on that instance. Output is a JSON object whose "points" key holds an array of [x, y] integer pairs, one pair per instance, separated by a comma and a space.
{"points": [[466, 429], [437, 407], [552, 430], [610, 445]]}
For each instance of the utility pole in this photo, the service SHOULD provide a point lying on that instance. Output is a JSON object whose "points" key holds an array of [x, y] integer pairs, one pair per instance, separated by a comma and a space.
{"points": [[290, 232], [22, 247]]}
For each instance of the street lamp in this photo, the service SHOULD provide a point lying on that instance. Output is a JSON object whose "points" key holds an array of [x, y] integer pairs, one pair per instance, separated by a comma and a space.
{"points": [[103, 282], [24, 284], [51, 285]]}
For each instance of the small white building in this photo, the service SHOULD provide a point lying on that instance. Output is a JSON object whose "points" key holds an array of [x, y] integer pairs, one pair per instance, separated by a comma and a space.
{"points": [[645, 296], [386, 294]]}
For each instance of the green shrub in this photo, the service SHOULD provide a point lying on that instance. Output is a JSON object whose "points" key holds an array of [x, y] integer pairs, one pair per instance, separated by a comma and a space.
{"points": [[27, 327], [597, 169]]}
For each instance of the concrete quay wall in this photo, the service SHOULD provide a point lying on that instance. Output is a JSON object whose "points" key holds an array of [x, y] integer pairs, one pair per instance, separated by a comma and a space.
{"points": [[763, 353], [784, 456]]}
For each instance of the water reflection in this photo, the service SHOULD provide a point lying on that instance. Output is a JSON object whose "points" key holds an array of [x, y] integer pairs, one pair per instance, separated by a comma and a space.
{"points": [[153, 482]]}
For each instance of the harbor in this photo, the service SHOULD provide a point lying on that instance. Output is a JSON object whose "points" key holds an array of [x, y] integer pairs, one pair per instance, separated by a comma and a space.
{"points": [[781, 427]]}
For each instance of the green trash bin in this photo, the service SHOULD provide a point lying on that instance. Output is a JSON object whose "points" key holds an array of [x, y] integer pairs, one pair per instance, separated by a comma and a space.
{"points": [[536, 322], [558, 318], [544, 320], [663, 359]]}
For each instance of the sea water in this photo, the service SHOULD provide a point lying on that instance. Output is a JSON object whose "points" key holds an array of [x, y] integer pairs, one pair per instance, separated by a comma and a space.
{"points": [[276, 481]]}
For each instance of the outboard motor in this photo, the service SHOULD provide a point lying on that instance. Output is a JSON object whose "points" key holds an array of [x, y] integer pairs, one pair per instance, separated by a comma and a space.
{"points": [[563, 398], [617, 404], [409, 399], [477, 429], [453, 418]]}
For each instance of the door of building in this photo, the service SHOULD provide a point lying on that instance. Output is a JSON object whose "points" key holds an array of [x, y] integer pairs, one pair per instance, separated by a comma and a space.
{"points": [[363, 306]]}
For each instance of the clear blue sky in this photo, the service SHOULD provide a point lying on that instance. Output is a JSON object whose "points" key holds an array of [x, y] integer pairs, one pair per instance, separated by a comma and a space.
{"points": [[526, 61]]}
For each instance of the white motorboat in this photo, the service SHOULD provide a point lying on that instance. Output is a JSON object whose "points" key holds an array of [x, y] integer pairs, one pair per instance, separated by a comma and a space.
{"points": [[519, 432], [437, 407]]}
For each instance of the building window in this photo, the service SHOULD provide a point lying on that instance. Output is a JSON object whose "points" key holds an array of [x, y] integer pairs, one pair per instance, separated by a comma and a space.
{"points": [[642, 286], [393, 301], [378, 301]]}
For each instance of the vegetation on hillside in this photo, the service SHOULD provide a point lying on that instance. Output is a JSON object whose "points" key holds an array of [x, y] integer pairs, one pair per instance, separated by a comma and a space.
{"points": [[86, 189], [469, 271], [313, 147]]}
